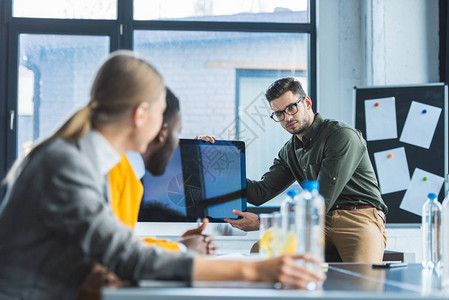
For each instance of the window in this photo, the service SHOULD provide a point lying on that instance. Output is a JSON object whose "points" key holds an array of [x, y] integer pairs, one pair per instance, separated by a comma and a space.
{"points": [[218, 56], [272, 11], [201, 68], [55, 74], [51, 64], [3, 93], [68, 9], [253, 124]]}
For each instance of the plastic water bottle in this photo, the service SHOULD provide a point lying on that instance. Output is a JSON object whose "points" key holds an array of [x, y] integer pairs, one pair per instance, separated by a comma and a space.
{"points": [[432, 230], [291, 228], [287, 207], [303, 221], [445, 238], [314, 211]]}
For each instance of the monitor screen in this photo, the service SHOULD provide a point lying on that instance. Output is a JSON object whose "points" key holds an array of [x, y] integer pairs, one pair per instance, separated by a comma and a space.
{"points": [[201, 180]]}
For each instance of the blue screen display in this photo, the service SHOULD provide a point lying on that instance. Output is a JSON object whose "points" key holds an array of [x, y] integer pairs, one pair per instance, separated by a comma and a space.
{"points": [[201, 180]]}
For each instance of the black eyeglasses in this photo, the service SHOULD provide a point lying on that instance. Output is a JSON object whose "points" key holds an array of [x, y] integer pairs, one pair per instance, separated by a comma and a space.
{"points": [[291, 109]]}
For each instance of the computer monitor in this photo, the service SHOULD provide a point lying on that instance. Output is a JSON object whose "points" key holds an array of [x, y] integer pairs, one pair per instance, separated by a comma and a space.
{"points": [[201, 180]]}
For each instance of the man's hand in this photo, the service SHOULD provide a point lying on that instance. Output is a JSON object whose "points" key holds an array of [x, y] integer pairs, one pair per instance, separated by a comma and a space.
{"points": [[206, 138], [249, 221], [202, 244], [195, 240], [198, 230], [100, 277]]}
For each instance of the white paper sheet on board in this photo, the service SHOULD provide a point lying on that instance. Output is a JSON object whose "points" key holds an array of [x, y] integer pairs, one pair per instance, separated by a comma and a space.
{"points": [[418, 190], [392, 171], [380, 117], [419, 127]]}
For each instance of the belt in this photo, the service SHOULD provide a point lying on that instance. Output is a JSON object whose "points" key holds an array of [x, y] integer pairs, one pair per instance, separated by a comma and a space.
{"points": [[358, 206], [352, 206]]}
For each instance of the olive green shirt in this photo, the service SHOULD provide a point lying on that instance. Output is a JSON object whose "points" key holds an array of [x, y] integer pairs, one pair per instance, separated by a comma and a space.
{"points": [[334, 154]]}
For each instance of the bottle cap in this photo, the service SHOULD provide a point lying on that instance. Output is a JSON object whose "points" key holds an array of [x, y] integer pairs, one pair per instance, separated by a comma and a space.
{"points": [[292, 193], [432, 196], [311, 185]]}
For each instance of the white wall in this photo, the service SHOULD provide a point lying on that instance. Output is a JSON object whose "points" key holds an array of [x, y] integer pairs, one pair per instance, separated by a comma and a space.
{"points": [[411, 41], [375, 42], [340, 56]]}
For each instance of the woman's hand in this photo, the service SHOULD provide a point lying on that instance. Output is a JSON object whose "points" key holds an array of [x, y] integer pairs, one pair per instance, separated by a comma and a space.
{"points": [[287, 271]]}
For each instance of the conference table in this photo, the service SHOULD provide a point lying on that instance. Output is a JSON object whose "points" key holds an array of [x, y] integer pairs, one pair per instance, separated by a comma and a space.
{"points": [[344, 281]]}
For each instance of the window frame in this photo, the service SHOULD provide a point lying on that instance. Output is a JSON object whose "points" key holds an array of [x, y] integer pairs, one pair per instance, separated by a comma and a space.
{"points": [[121, 33], [18, 26], [241, 73], [44, 26], [3, 91]]}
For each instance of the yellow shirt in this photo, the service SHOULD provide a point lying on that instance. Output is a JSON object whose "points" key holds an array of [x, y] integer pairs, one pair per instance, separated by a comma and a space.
{"points": [[126, 195]]}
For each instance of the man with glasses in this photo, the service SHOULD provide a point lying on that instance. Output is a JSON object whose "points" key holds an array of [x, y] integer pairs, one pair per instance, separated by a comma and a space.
{"points": [[334, 154]]}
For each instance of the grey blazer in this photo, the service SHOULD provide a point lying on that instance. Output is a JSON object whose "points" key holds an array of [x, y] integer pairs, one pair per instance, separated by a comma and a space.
{"points": [[56, 223]]}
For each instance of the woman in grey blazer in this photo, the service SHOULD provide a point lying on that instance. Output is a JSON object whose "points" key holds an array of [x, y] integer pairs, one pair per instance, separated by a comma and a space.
{"points": [[55, 221]]}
